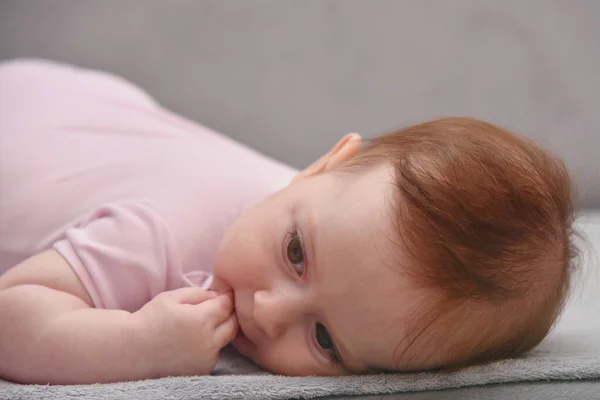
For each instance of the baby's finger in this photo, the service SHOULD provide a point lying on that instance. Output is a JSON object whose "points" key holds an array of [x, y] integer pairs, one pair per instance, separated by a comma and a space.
{"points": [[218, 309], [191, 295], [226, 332]]}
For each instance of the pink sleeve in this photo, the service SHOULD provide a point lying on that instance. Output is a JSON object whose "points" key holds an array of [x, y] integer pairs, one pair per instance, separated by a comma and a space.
{"points": [[122, 255]]}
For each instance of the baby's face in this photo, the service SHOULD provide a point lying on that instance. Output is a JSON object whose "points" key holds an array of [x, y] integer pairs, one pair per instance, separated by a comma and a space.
{"points": [[316, 280]]}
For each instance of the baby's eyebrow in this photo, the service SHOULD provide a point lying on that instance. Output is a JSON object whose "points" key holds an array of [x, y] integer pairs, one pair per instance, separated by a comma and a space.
{"points": [[341, 359], [355, 367]]}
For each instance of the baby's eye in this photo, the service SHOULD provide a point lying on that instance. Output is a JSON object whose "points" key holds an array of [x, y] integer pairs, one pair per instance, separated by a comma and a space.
{"points": [[295, 254], [326, 343]]}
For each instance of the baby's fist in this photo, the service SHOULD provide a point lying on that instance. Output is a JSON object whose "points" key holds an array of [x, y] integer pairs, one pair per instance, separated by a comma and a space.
{"points": [[185, 330]]}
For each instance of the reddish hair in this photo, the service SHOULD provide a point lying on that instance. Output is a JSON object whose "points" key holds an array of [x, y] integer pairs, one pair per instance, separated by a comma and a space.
{"points": [[485, 218]]}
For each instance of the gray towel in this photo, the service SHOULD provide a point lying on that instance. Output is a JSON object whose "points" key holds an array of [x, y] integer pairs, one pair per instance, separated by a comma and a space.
{"points": [[571, 351]]}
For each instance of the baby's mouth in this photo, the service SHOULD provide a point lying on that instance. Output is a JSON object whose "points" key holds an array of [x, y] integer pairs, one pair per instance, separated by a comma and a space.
{"points": [[240, 335], [241, 339], [242, 343]]}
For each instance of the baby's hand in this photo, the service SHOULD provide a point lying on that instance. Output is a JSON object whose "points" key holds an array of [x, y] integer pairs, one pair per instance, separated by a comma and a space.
{"points": [[185, 330]]}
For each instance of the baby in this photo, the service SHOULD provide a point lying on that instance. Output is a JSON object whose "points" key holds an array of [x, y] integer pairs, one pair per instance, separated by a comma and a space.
{"points": [[136, 244]]}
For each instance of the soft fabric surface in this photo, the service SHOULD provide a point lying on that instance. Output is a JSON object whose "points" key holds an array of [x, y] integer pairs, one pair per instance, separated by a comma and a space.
{"points": [[571, 351]]}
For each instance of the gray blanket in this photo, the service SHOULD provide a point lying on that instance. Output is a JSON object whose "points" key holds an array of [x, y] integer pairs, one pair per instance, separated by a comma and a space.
{"points": [[571, 351]]}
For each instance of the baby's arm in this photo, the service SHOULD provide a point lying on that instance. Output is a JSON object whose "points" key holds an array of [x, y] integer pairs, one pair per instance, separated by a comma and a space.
{"points": [[49, 333]]}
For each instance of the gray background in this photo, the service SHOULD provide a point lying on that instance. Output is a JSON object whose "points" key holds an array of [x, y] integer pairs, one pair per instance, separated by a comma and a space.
{"points": [[290, 77]]}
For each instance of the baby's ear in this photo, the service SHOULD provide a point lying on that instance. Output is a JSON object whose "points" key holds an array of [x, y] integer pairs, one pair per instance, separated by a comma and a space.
{"points": [[344, 150]]}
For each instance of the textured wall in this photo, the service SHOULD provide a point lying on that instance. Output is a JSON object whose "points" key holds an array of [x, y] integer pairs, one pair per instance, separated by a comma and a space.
{"points": [[290, 77]]}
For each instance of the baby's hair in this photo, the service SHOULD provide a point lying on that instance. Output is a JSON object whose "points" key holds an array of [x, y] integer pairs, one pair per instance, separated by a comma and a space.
{"points": [[485, 220]]}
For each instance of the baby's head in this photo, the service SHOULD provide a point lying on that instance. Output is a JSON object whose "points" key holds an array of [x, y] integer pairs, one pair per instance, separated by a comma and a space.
{"points": [[440, 245]]}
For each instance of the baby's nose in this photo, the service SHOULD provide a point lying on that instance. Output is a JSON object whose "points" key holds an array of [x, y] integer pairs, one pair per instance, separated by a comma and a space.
{"points": [[274, 313]]}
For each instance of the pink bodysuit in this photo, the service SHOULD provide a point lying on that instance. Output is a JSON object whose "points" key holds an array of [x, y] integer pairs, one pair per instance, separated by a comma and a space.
{"points": [[135, 198]]}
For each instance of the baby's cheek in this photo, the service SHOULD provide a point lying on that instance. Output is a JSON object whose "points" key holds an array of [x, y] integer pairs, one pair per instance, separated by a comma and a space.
{"points": [[226, 267]]}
